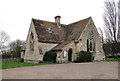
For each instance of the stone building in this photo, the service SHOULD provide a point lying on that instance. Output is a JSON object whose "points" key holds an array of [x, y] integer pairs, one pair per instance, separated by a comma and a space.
{"points": [[65, 40]]}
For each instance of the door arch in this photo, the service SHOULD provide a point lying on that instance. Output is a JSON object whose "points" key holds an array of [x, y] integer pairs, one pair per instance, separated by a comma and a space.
{"points": [[70, 55]]}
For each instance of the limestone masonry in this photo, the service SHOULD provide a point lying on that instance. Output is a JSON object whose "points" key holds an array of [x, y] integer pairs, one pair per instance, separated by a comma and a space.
{"points": [[65, 40]]}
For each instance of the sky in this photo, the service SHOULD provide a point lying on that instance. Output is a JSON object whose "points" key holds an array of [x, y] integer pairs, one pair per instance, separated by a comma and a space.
{"points": [[16, 15]]}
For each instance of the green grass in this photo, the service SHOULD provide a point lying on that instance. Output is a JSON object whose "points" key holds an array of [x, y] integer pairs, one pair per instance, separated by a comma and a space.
{"points": [[112, 60], [6, 65]]}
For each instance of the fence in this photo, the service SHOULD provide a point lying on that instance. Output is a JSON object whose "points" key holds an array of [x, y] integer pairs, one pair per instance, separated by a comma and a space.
{"points": [[11, 59]]}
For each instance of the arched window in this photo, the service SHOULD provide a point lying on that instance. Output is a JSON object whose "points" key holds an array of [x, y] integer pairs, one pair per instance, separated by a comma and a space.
{"points": [[90, 45], [90, 36], [87, 45], [90, 42], [32, 36], [32, 42]]}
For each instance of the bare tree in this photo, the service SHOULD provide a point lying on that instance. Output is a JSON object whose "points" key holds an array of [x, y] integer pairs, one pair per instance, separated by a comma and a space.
{"points": [[4, 38], [111, 23], [110, 20], [118, 36], [101, 34], [16, 47]]}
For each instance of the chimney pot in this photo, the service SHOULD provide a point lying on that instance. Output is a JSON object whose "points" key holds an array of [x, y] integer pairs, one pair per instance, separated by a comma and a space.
{"points": [[57, 21]]}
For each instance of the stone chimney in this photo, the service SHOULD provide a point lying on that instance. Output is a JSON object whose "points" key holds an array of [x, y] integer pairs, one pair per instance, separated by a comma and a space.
{"points": [[57, 21]]}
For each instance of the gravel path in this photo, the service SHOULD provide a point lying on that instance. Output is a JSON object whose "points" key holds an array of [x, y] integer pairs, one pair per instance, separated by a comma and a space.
{"points": [[91, 70]]}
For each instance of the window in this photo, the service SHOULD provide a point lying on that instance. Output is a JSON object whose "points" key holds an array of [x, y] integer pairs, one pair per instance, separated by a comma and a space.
{"points": [[49, 30], [90, 43], [90, 36], [32, 36], [64, 54], [87, 45], [32, 42]]}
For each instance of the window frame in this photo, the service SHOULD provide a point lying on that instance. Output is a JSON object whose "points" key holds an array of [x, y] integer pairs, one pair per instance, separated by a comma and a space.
{"points": [[91, 43]]}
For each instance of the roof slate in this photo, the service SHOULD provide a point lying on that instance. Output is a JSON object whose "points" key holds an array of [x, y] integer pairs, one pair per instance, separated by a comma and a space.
{"points": [[49, 32], [74, 31]]}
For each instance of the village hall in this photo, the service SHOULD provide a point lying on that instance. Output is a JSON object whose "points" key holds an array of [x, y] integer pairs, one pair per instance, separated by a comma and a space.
{"points": [[65, 40]]}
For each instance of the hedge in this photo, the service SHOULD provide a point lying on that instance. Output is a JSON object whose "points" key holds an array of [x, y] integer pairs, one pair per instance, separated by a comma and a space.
{"points": [[50, 56], [84, 56]]}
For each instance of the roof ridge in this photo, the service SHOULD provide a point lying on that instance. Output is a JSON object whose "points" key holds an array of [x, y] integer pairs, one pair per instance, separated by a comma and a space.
{"points": [[63, 24], [47, 21], [79, 21]]}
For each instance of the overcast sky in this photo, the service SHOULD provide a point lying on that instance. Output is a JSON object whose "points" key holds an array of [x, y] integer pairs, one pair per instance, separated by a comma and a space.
{"points": [[16, 15]]}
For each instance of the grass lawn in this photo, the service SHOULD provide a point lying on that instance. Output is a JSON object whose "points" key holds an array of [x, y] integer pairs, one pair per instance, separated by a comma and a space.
{"points": [[113, 60], [6, 65]]}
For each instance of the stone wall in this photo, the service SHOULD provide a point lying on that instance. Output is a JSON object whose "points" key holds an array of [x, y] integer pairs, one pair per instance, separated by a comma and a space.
{"points": [[98, 53], [32, 56], [62, 56], [44, 47], [82, 45], [39, 48]]}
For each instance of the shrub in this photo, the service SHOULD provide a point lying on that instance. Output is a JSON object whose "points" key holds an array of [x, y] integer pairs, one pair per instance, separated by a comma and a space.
{"points": [[84, 56], [50, 56]]}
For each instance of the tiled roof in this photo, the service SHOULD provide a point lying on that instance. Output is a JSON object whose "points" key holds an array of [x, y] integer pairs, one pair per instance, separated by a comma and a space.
{"points": [[49, 32], [74, 31]]}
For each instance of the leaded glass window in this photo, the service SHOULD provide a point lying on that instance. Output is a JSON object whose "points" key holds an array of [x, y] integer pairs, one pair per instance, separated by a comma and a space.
{"points": [[87, 45], [90, 45], [32, 36], [32, 42], [90, 42]]}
